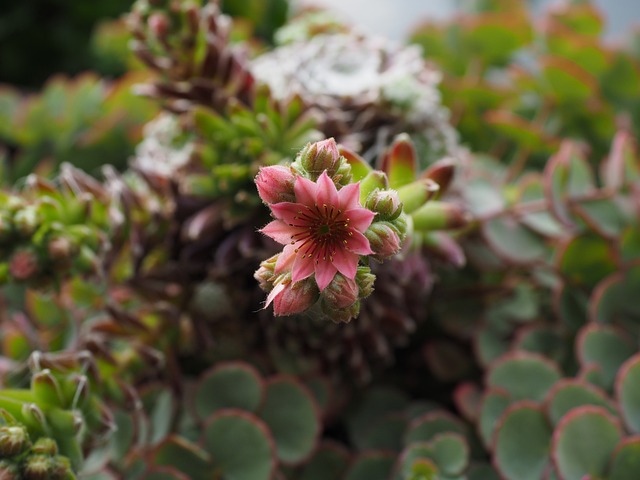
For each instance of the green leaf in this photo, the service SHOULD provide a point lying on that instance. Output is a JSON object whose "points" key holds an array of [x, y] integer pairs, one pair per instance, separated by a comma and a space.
{"points": [[522, 441], [494, 404], [482, 472], [583, 442], [450, 452], [292, 416], [606, 347], [184, 456], [240, 445], [627, 390], [566, 80], [228, 385], [400, 162], [526, 376], [513, 241], [164, 473], [370, 466], [625, 464], [428, 426], [375, 403], [568, 394]]}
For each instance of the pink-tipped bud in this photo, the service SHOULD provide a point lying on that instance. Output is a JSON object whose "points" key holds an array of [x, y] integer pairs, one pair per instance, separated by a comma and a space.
{"points": [[386, 203], [320, 156], [23, 265], [383, 239], [293, 297], [275, 184], [158, 24], [13, 441], [342, 292]]}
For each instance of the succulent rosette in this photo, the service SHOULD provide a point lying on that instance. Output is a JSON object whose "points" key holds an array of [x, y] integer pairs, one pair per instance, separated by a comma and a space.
{"points": [[325, 231]]}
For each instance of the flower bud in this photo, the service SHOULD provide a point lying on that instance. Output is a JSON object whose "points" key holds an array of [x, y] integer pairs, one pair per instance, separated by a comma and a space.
{"points": [[45, 446], [341, 293], [374, 180], [9, 471], [275, 184], [365, 280], [320, 156], [60, 249], [383, 239], [23, 265], [13, 441], [293, 297], [385, 203], [37, 467], [264, 274]]}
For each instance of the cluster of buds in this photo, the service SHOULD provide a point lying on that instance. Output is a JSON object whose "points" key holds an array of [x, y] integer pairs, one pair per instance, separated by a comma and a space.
{"points": [[329, 227], [47, 234], [50, 425], [20, 459]]}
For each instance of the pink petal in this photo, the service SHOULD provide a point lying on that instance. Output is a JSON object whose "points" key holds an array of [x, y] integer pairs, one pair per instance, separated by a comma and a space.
{"points": [[305, 191], [346, 262], [358, 243], [285, 259], [325, 271], [359, 218], [326, 194], [288, 212], [277, 290], [349, 196], [280, 231], [302, 268]]}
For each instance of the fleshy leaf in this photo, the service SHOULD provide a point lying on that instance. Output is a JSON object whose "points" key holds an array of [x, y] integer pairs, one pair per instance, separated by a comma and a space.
{"points": [[625, 463], [628, 392], [522, 441], [583, 442], [370, 466], [228, 385], [568, 394], [606, 347], [291, 413], [526, 376], [240, 445]]}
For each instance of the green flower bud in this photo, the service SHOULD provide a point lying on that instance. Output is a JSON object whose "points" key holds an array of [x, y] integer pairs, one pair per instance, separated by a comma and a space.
{"points": [[383, 239], [365, 280], [9, 471], [45, 446], [317, 157], [13, 441], [386, 203]]}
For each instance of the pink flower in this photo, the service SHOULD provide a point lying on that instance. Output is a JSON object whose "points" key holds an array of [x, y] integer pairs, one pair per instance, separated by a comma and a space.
{"points": [[322, 231]]}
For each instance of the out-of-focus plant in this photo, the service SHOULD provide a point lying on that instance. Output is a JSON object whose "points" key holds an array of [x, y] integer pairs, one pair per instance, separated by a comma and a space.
{"points": [[518, 87], [432, 313], [86, 122]]}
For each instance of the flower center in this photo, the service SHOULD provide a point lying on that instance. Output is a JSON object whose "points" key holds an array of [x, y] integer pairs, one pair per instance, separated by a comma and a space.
{"points": [[322, 231]]}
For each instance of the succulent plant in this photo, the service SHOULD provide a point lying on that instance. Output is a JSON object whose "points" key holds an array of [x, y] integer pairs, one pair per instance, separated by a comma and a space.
{"points": [[252, 299]]}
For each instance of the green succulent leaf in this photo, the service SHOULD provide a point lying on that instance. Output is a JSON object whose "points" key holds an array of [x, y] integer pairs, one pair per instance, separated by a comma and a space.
{"points": [[494, 403], [291, 414], [526, 376], [522, 440], [184, 456], [568, 394], [625, 463], [240, 445], [606, 347], [370, 466], [428, 426], [583, 442], [228, 385], [628, 392]]}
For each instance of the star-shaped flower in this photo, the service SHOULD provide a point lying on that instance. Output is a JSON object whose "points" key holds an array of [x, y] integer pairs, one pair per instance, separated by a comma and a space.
{"points": [[322, 230]]}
